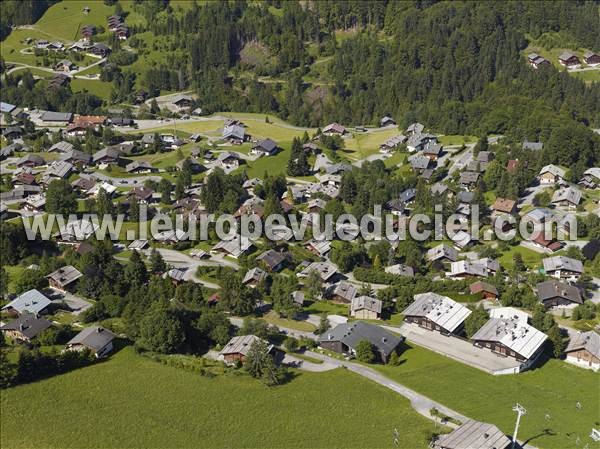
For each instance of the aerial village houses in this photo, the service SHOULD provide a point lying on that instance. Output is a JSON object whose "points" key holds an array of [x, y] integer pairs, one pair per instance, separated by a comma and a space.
{"points": [[567, 197], [584, 350], [536, 61], [343, 292], [484, 290], [436, 312], [236, 350], [96, 339], [345, 337]]}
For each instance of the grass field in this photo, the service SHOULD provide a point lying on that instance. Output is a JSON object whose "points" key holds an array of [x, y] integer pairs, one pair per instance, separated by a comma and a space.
{"points": [[456, 140], [552, 390], [152, 405], [63, 20], [366, 144], [530, 257], [99, 88]]}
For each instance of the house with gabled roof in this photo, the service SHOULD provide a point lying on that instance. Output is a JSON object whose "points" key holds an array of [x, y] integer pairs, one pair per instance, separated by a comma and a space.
{"points": [[473, 435], [26, 327], [235, 134], [273, 260], [266, 147], [436, 312], [96, 339], [554, 293], [254, 276], [567, 197], [343, 292], [536, 61], [592, 59], [365, 308], [345, 337], [32, 301], [562, 267], [442, 252], [584, 350], [325, 270], [484, 290], [551, 174], [64, 277], [334, 129], [238, 348], [569, 60], [510, 337]]}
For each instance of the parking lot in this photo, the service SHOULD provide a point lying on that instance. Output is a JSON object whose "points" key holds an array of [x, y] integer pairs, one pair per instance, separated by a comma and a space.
{"points": [[457, 349]]}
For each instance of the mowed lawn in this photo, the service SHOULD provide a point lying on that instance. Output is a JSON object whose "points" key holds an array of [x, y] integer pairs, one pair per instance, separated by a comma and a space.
{"points": [[553, 390], [130, 401], [62, 20]]}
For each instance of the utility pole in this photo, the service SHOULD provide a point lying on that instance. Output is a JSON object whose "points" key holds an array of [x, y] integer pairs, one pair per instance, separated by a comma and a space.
{"points": [[520, 412]]}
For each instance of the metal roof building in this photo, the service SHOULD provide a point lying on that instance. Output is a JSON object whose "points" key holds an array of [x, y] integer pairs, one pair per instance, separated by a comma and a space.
{"points": [[440, 310], [473, 435]]}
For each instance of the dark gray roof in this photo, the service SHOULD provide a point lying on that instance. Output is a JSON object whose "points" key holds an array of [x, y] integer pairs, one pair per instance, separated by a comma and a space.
{"points": [[266, 145], [271, 258], [107, 152], [28, 324], [468, 177], [51, 116], [77, 156], [351, 334], [93, 337], [338, 168], [556, 289]]}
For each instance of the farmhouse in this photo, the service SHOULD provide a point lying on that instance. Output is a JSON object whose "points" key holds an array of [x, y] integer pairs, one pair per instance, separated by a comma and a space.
{"points": [[484, 290], [234, 134], [334, 128], [392, 143], [554, 293], [237, 349], [272, 259], [551, 174], [344, 338], [107, 155], [254, 276], [510, 337], [326, 270], [569, 60], [591, 58], [140, 166], [26, 327], [95, 339], [473, 435], [536, 61], [32, 301], [567, 197], [342, 292], [65, 276], [443, 253], [591, 178], [562, 267], [365, 308], [387, 121], [234, 247], [436, 312], [584, 350], [265, 147], [182, 101]]}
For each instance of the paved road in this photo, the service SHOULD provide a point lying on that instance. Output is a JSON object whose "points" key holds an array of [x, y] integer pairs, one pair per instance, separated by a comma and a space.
{"points": [[305, 365], [422, 404], [125, 182]]}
